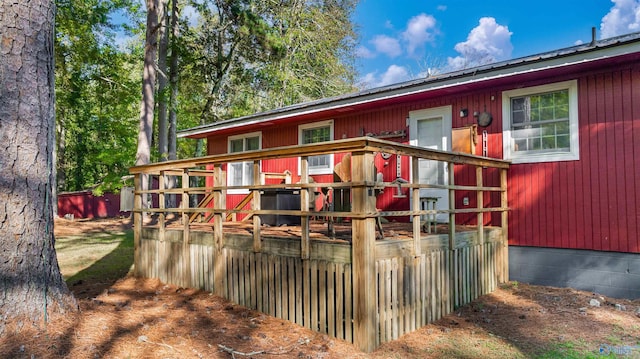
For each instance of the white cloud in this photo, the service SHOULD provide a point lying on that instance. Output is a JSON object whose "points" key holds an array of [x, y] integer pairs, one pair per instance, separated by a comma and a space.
{"points": [[367, 81], [623, 18], [394, 74], [365, 53], [442, 8], [486, 43], [387, 45], [420, 30]]}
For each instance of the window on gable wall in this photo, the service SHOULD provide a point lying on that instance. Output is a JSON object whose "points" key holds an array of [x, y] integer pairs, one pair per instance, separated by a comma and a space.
{"points": [[541, 123], [314, 133], [241, 173]]}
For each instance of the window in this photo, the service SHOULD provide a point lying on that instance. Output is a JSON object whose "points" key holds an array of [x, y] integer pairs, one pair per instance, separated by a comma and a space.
{"points": [[241, 173], [541, 123], [315, 133]]}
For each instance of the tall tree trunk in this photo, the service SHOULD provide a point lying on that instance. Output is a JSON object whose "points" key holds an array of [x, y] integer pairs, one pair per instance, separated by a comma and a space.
{"points": [[163, 48], [173, 98], [145, 131], [31, 286], [173, 78]]}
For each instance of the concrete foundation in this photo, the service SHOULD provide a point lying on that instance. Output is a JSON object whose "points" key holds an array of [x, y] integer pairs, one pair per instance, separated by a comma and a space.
{"points": [[608, 273]]}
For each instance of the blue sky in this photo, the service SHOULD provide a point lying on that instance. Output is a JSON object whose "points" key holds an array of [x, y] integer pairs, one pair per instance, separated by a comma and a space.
{"points": [[403, 39]]}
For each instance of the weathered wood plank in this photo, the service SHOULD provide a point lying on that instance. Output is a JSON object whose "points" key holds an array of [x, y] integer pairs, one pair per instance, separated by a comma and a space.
{"points": [[395, 301], [381, 269], [260, 284], [186, 266], [313, 282], [322, 296], [305, 245], [253, 272], [505, 225], [265, 284], [348, 302], [140, 268], [340, 298], [424, 291], [272, 284], [400, 288], [415, 197], [299, 271], [293, 269], [379, 265], [331, 295], [363, 232], [256, 205], [306, 282]]}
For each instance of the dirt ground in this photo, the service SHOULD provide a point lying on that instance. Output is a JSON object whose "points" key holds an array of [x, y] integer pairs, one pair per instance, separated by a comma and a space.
{"points": [[138, 318]]}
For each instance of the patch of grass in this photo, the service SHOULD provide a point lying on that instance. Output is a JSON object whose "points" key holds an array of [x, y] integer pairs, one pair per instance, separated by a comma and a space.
{"points": [[470, 346], [512, 285], [96, 258], [614, 340], [570, 350]]}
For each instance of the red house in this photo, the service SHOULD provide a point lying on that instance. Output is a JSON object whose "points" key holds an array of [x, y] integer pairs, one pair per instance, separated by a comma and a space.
{"points": [[568, 120]]}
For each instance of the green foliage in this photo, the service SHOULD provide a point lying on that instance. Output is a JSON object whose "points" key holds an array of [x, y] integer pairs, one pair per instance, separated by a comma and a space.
{"points": [[236, 57], [246, 56], [97, 91]]}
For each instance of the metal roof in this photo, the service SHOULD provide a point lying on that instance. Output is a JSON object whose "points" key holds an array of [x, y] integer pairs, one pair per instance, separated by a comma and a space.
{"points": [[596, 50]]}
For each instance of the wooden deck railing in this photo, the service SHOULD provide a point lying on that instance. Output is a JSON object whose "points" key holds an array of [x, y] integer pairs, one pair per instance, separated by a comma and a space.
{"points": [[456, 275]]}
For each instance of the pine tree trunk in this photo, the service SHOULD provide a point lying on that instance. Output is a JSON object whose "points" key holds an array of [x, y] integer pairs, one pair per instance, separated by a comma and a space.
{"points": [[163, 49], [31, 286], [173, 98], [147, 105]]}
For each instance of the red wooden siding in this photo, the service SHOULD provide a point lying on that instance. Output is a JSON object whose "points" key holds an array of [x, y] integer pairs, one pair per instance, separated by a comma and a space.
{"points": [[589, 204]]}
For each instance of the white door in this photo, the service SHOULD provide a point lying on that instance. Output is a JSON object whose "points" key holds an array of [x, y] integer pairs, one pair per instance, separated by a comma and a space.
{"points": [[431, 128]]}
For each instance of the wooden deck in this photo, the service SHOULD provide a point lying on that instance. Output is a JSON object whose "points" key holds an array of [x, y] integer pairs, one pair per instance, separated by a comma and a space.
{"points": [[318, 230], [317, 293], [358, 285]]}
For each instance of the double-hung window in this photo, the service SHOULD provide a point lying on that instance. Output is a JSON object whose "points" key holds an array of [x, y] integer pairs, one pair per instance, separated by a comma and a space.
{"points": [[241, 173], [541, 123], [314, 133]]}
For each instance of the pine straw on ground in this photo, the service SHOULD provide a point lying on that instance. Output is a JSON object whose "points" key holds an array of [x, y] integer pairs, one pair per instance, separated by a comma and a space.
{"points": [[143, 318]]}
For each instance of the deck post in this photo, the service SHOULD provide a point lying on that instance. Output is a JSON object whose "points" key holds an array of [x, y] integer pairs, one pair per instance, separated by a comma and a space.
{"points": [[363, 251], [137, 225], [480, 204], [161, 205], [480, 226], [305, 245], [415, 197], [218, 234], [505, 225], [256, 206], [186, 255], [451, 292]]}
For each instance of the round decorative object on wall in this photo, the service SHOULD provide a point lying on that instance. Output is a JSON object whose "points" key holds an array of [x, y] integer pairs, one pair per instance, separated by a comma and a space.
{"points": [[484, 119], [385, 155]]}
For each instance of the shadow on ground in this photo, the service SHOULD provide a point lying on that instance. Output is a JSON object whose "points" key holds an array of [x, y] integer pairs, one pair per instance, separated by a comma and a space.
{"points": [[103, 273]]}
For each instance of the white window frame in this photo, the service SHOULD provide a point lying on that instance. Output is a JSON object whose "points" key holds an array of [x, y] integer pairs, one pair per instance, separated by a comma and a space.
{"points": [[508, 142], [230, 169], [317, 170]]}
